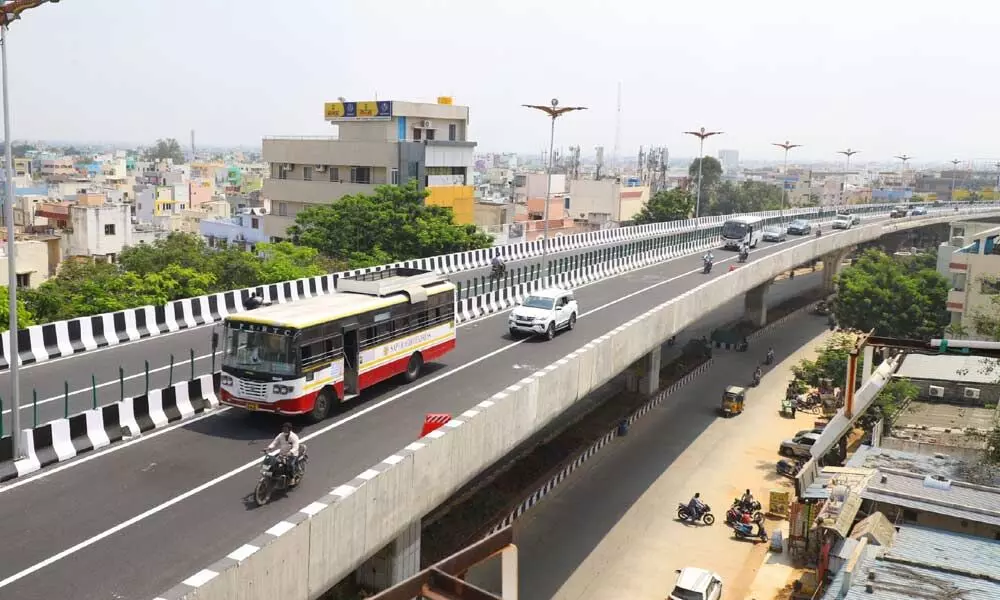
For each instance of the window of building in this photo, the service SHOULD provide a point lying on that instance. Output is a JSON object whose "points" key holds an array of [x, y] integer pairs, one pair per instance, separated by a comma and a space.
{"points": [[23, 280], [452, 132], [412, 168], [307, 173], [429, 134], [990, 287], [282, 174], [394, 177], [109, 229], [334, 175], [566, 202], [361, 175], [255, 223], [282, 209]]}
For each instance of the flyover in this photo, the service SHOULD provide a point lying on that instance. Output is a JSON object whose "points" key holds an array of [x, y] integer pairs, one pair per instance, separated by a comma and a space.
{"points": [[172, 503], [77, 381]]}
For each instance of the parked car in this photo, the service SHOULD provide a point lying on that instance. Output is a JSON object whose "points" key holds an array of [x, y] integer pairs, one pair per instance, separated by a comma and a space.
{"points": [[918, 211], [799, 227], [799, 446], [898, 212], [843, 222], [773, 233], [543, 313], [696, 584]]}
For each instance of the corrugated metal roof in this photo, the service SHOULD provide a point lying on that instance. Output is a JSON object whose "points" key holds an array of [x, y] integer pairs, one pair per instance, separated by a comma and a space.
{"points": [[956, 551], [975, 503], [960, 369]]}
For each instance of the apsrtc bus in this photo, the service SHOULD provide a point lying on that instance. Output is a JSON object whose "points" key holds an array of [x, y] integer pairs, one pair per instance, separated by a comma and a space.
{"points": [[743, 229], [302, 357]]}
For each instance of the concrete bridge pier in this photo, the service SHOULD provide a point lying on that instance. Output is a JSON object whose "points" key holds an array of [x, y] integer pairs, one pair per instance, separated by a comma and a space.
{"points": [[832, 263], [393, 564], [644, 375], [755, 304]]}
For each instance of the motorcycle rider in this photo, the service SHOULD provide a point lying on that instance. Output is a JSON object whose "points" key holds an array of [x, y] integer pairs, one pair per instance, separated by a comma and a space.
{"points": [[696, 507], [757, 374], [287, 444], [770, 355], [708, 259], [498, 266], [744, 251], [253, 301], [746, 502]]}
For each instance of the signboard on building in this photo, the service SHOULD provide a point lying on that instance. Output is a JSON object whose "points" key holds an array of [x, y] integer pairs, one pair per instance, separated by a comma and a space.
{"points": [[371, 110]]}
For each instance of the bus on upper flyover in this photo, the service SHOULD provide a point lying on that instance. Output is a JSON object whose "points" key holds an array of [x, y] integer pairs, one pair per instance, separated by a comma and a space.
{"points": [[301, 358]]}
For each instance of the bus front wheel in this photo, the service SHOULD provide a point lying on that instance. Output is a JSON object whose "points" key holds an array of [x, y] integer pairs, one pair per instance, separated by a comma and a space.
{"points": [[414, 367], [321, 406]]}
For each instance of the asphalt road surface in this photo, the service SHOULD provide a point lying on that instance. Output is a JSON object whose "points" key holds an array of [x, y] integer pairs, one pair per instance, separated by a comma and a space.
{"points": [[609, 531]]}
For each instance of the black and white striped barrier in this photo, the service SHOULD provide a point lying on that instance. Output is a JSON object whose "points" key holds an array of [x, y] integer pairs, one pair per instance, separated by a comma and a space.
{"points": [[63, 439], [536, 496]]}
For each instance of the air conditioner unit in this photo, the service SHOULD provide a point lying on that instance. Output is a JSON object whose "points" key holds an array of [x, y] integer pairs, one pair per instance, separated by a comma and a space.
{"points": [[971, 393], [321, 168], [936, 391], [426, 124]]}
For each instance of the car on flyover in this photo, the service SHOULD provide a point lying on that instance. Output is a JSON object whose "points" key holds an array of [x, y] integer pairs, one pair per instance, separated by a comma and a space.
{"points": [[800, 227], [843, 222], [773, 233], [898, 212], [696, 584], [855, 219], [543, 313], [800, 445], [918, 211]]}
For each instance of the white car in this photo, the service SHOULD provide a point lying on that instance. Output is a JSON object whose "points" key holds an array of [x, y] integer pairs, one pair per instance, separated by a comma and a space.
{"points": [[843, 222], [696, 584], [799, 446], [543, 313]]}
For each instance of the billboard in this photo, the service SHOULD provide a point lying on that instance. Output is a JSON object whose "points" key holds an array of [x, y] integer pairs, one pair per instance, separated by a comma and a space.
{"points": [[370, 110]]}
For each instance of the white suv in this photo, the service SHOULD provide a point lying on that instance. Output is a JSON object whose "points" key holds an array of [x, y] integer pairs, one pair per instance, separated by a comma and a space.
{"points": [[843, 222], [696, 584], [543, 313]]}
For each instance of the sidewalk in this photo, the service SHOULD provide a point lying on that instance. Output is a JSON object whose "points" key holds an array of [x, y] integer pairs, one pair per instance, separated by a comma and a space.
{"points": [[609, 531]]}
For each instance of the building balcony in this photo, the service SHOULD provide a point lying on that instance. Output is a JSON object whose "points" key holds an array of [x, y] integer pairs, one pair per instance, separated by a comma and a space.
{"points": [[956, 300], [312, 192]]}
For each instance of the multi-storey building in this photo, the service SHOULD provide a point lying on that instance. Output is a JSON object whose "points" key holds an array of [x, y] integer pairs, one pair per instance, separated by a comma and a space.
{"points": [[383, 142], [970, 259]]}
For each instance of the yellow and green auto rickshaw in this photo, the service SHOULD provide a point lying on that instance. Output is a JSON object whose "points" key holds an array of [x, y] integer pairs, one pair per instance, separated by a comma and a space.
{"points": [[732, 400]]}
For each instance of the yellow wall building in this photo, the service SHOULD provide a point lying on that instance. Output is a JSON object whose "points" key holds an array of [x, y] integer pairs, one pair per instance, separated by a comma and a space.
{"points": [[459, 198]]}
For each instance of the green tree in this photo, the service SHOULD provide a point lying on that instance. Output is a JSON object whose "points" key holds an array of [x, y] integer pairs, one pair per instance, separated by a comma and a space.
{"points": [[896, 298], [711, 173], [164, 149], [182, 249], [666, 205], [24, 316], [285, 261], [830, 362], [391, 224], [748, 196], [894, 395]]}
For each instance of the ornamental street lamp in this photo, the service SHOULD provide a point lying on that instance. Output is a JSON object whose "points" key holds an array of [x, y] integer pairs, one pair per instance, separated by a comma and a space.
{"points": [[702, 135]]}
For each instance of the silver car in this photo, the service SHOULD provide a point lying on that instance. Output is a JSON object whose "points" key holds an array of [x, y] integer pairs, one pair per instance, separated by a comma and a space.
{"points": [[774, 233]]}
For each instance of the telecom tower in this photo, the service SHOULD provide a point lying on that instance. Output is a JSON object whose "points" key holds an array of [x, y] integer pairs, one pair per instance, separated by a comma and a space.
{"points": [[600, 162], [618, 131], [192, 145]]}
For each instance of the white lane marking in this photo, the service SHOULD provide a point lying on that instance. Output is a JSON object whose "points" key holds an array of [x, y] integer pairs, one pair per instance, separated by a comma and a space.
{"points": [[76, 462], [232, 473]]}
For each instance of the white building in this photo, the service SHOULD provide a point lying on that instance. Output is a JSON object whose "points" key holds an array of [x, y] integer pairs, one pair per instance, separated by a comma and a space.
{"points": [[101, 232], [730, 160]]}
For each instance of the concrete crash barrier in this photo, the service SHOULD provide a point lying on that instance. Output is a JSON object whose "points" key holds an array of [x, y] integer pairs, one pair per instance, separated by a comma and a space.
{"points": [[63, 439], [305, 555], [41, 343]]}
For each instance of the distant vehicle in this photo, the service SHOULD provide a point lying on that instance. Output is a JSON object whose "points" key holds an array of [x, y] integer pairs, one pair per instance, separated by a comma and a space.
{"points": [[742, 230], [919, 211], [842, 222], [305, 357], [696, 584], [543, 313], [898, 212], [799, 227], [774, 233], [855, 219], [800, 445]]}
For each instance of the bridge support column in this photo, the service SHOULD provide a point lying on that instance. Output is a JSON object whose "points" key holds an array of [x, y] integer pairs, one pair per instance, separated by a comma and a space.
{"points": [[644, 375], [395, 563], [832, 263], [755, 305]]}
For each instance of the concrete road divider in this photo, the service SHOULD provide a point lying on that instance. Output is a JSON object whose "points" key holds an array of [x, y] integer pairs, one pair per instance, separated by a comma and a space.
{"points": [[63, 439], [433, 421]]}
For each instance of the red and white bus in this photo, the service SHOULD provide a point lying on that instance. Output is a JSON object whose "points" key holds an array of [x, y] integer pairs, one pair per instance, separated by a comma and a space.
{"points": [[302, 357]]}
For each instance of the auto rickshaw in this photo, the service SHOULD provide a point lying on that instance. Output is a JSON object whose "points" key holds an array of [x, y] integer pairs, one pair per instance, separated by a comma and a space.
{"points": [[732, 400]]}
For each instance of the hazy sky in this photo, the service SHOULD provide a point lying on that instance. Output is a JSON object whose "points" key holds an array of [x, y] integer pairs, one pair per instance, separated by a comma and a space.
{"points": [[919, 77]]}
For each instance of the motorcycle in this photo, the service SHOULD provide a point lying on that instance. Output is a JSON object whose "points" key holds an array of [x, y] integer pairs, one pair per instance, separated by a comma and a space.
{"points": [[736, 512], [275, 475], [744, 255], [707, 268], [498, 272], [684, 514], [745, 531], [769, 359], [756, 378], [819, 232]]}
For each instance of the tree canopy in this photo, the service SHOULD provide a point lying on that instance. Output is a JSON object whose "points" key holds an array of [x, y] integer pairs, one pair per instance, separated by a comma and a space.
{"points": [[896, 296], [748, 196], [711, 173], [389, 225], [666, 205], [164, 149]]}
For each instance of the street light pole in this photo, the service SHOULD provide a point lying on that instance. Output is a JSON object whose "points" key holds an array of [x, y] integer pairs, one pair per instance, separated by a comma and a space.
{"points": [[954, 171], [902, 172], [784, 191], [848, 153], [701, 134], [554, 111]]}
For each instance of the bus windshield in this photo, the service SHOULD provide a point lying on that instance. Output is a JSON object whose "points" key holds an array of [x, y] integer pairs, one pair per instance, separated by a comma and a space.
{"points": [[259, 351], [734, 230]]}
